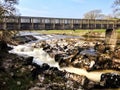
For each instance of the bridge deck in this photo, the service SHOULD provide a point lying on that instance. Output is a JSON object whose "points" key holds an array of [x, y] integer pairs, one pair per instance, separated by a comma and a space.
{"points": [[39, 23]]}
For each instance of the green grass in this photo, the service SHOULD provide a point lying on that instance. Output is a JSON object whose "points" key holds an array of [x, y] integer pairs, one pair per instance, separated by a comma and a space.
{"points": [[118, 31], [67, 32]]}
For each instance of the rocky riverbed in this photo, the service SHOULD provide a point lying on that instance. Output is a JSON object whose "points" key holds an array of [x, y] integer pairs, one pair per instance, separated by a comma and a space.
{"points": [[25, 71], [20, 73], [81, 54]]}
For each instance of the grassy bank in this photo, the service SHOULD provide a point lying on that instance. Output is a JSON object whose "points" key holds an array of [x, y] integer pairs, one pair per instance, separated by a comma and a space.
{"points": [[68, 32]]}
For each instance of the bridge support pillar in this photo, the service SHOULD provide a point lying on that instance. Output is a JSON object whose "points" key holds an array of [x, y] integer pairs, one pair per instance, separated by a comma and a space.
{"points": [[111, 39]]}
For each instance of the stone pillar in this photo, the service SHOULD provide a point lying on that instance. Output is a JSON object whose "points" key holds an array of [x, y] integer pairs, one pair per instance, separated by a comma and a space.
{"points": [[71, 26], [4, 24], [53, 26], [32, 24], [19, 23], [111, 38], [63, 26]]}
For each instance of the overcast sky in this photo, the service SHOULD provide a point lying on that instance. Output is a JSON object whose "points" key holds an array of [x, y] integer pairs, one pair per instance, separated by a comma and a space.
{"points": [[63, 8]]}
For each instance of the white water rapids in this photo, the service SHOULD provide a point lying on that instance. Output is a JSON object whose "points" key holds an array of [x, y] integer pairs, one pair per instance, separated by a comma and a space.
{"points": [[41, 57]]}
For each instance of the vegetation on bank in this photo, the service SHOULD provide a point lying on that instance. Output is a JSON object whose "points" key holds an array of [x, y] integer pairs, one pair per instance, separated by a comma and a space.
{"points": [[77, 32]]}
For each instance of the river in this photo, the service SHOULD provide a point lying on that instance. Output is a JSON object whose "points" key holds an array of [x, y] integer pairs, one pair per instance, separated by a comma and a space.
{"points": [[40, 57]]}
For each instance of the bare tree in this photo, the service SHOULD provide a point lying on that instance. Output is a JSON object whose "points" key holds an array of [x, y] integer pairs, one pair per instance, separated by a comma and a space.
{"points": [[94, 14], [7, 8], [116, 9], [116, 5]]}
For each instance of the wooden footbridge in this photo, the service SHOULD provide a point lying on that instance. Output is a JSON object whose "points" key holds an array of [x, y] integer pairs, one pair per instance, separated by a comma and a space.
{"points": [[45, 23]]}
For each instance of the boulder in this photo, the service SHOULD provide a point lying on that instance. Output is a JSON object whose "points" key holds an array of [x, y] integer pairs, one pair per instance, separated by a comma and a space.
{"points": [[24, 39], [100, 47], [28, 60], [4, 47], [37, 70], [117, 53], [115, 64], [110, 80], [45, 66], [58, 57]]}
